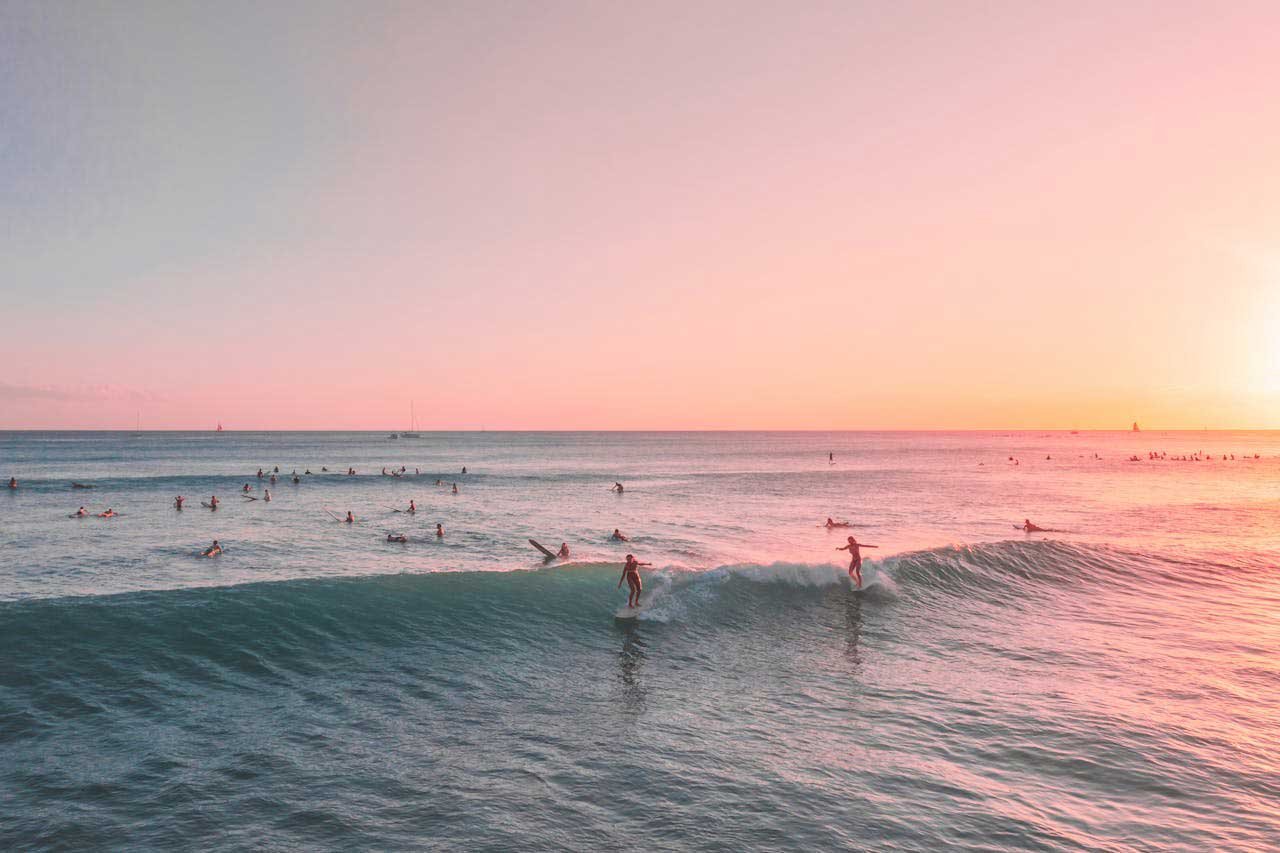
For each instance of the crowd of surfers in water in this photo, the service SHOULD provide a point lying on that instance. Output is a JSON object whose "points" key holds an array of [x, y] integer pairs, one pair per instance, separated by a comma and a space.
{"points": [[631, 568]]}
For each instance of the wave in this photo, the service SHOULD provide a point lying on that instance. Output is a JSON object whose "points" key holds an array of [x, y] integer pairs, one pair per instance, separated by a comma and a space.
{"points": [[254, 628]]}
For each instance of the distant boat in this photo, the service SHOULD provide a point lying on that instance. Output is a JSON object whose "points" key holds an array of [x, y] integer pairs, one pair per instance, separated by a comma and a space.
{"points": [[1135, 427], [393, 435], [137, 432], [413, 425]]}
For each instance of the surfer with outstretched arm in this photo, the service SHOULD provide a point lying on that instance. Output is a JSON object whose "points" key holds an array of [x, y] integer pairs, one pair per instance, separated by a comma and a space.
{"points": [[631, 574], [855, 558]]}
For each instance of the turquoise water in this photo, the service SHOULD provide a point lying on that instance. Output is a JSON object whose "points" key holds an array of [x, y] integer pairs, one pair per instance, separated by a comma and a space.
{"points": [[1112, 686]]}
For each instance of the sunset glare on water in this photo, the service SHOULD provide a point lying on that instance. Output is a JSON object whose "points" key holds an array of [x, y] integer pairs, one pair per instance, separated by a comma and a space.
{"points": [[653, 426]]}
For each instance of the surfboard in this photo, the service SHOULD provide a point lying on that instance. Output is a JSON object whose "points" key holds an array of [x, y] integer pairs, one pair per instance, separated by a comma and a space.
{"points": [[628, 613], [207, 506], [550, 554]]}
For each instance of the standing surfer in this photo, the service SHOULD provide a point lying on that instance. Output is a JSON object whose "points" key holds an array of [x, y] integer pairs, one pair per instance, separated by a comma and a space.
{"points": [[855, 558], [631, 574]]}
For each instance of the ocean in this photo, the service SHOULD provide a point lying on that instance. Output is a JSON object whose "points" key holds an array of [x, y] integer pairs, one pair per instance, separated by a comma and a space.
{"points": [[1111, 684]]}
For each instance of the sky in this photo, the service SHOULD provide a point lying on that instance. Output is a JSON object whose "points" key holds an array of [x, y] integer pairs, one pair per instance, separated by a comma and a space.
{"points": [[660, 215]]}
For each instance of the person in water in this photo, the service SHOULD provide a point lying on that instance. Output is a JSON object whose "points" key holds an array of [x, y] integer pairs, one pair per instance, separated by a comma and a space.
{"points": [[81, 512], [350, 519], [831, 523], [266, 495], [213, 502], [213, 550], [1028, 527], [13, 482], [617, 487], [412, 507], [464, 469], [631, 574], [273, 479], [563, 553], [455, 488], [177, 502], [110, 513], [246, 488], [617, 536], [260, 474], [296, 480], [439, 531], [399, 537], [855, 558]]}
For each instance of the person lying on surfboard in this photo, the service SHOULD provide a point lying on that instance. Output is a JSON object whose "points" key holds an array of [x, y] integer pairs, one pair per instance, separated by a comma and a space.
{"points": [[81, 512], [617, 536], [213, 550], [399, 537], [563, 553], [110, 513], [855, 558], [1028, 527], [631, 574], [831, 523]]}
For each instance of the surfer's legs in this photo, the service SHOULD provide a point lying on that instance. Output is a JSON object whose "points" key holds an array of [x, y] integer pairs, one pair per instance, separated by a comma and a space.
{"points": [[855, 571], [633, 597]]}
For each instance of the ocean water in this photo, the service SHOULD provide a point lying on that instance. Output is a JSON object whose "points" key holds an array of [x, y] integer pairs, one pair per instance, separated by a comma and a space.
{"points": [[1111, 685]]}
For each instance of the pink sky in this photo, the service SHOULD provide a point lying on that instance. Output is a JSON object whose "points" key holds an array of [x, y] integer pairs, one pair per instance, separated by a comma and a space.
{"points": [[602, 216]]}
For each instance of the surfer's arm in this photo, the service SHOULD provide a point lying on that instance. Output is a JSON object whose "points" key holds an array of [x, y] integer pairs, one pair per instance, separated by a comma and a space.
{"points": [[843, 548]]}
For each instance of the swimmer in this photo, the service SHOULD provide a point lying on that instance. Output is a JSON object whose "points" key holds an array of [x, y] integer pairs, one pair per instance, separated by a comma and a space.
{"points": [[213, 550], [1028, 527], [439, 531], [563, 553], [81, 512], [177, 502], [110, 513], [13, 482], [213, 502], [412, 507], [617, 536], [617, 487], [855, 558], [399, 537], [350, 519], [266, 495], [455, 488], [631, 574]]}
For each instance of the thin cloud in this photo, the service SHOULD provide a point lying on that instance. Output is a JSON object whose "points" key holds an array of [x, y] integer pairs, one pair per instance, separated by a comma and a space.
{"points": [[12, 393]]}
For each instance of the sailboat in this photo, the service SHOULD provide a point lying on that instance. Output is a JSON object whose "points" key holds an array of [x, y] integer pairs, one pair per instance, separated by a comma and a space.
{"points": [[1135, 427], [137, 432], [219, 429], [413, 425]]}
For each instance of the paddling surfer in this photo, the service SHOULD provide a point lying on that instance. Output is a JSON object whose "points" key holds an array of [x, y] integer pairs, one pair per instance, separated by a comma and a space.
{"points": [[1028, 527], [110, 513], [631, 574], [855, 558], [618, 537], [400, 537], [81, 512], [213, 550]]}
